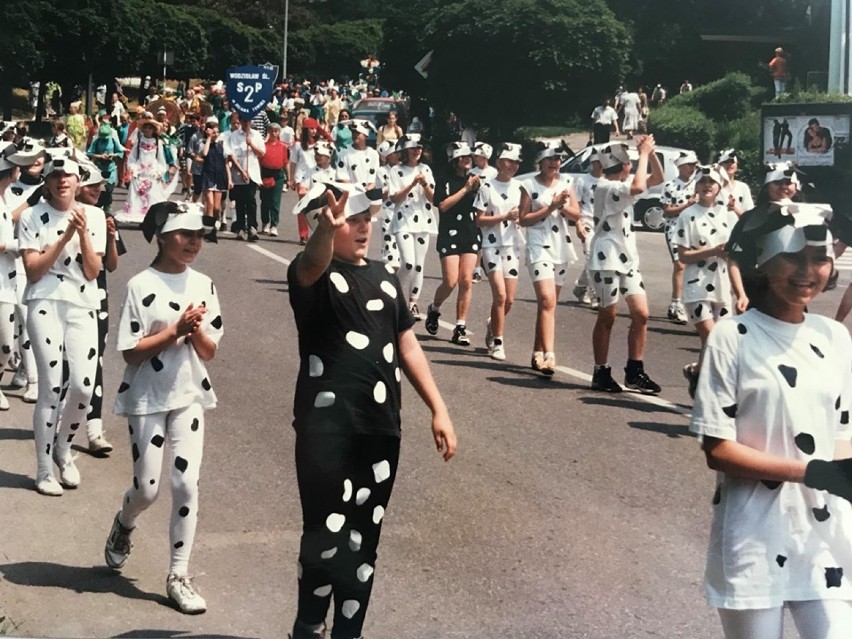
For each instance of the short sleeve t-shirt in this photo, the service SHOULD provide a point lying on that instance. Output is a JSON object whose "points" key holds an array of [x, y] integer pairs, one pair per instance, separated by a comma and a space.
{"points": [[699, 227], [496, 198], [741, 194], [676, 193], [488, 173], [302, 161], [585, 187], [176, 377], [783, 389], [415, 214], [41, 226], [349, 322], [611, 248], [316, 175], [550, 238], [358, 166]]}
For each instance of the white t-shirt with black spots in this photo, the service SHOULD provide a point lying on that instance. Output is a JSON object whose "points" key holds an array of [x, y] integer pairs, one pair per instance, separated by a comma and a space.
{"points": [[612, 247], [741, 193], [176, 377], [488, 173], [8, 270], [41, 226], [676, 193], [349, 322], [358, 166], [416, 214], [315, 175], [585, 187], [550, 238], [699, 227], [783, 389], [496, 198]]}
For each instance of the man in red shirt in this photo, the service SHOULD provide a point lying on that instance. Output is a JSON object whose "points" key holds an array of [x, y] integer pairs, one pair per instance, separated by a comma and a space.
{"points": [[778, 71]]}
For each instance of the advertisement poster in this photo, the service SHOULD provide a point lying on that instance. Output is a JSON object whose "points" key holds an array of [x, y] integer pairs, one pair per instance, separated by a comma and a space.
{"points": [[807, 140]]}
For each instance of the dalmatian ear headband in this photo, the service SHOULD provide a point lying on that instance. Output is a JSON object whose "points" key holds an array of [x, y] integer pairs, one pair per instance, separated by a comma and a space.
{"points": [[782, 171], [458, 150], [686, 157], [509, 151], [791, 228], [164, 217], [710, 171], [483, 150], [613, 155], [359, 201], [362, 126], [555, 148]]}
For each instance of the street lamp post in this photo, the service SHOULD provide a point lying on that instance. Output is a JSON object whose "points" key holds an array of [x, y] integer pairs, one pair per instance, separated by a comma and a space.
{"points": [[286, 33]]}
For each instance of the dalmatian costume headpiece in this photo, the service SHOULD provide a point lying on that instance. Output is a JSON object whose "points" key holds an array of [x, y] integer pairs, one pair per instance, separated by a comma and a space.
{"points": [[409, 141], [782, 171], [483, 150], [62, 165], [163, 217], [458, 150], [509, 151], [27, 154], [728, 155], [359, 200], [362, 126], [550, 149], [686, 157], [7, 149], [324, 147], [792, 227], [710, 171], [386, 148], [614, 155]]}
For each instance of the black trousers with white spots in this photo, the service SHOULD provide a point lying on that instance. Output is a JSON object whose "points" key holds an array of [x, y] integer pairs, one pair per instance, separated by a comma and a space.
{"points": [[345, 483], [183, 429]]}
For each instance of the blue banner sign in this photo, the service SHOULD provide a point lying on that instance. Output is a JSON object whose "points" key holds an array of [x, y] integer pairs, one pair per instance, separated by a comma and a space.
{"points": [[249, 88]]}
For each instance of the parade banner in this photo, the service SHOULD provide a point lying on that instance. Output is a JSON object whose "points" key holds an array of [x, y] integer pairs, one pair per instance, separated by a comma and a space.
{"points": [[807, 140], [249, 88]]}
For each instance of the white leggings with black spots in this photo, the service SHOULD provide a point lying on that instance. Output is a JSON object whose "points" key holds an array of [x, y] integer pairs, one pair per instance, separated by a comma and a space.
{"points": [[818, 619], [183, 429], [7, 332], [413, 248], [61, 330]]}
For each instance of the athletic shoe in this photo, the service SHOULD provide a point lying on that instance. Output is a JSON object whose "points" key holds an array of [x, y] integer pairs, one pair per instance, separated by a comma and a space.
{"points": [[265, 229], [48, 485], [30, 395], [273, 231], [100, 447], [602, 381], [586, 299], [304, 631], [489, 336], [252, 235], [690, 372], [4, 403], [641, 382], [477, 276], [579, 292], [223, 226], [303, 241], [594, 304], [241, 235], [415, 311], [536, 361], [498, 352], [118, 544], [19, 380], [69, 474], [460, 335], [548, 365], [431, 323], [184, 595], [677, 313]]}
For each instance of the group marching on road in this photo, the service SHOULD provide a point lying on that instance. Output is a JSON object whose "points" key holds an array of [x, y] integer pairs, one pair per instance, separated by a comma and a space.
{"points": [[772, 384]]}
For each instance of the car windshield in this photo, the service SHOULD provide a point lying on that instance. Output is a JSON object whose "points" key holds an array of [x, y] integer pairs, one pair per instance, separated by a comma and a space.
{"points": [[375, 105]]}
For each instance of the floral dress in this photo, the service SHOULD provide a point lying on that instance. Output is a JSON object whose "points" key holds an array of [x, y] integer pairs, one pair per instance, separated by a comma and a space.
{"points": [[149, 184]]}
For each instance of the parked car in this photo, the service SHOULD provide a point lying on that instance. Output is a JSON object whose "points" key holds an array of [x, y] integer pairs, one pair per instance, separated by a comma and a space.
{"points": [[647, 213], [376, 111]]}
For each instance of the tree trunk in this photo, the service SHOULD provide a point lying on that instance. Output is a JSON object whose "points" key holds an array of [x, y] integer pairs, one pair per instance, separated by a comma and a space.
{"points": [[42, 89]]}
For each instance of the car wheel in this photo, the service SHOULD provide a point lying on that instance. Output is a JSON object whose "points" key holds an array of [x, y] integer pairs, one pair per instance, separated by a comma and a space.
{"points": [[650, 215]]}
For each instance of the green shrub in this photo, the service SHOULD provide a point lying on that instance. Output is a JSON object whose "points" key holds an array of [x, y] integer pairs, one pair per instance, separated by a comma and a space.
{"points": [[743, 134], [685, 127], [809, 97], [727, 98]]}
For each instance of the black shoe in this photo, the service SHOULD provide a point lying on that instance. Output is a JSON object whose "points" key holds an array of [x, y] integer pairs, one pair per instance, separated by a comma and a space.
{"points": [[602, 381], [431, 323], [641, 382], [460, 336], [252, 235], [415, 312]]}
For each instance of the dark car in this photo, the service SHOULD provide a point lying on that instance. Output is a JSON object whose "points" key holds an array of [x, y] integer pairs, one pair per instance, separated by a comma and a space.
{"points": [[376, 111]]}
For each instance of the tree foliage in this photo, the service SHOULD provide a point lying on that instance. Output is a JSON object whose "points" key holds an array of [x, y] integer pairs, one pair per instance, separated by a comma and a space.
{"points": [[497, 61]]}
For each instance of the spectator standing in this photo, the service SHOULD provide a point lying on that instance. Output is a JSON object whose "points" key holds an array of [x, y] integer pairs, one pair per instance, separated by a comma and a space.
{"points": [[245, 147], [390, 130], [778, 71], [273, 176], [604, 118]]}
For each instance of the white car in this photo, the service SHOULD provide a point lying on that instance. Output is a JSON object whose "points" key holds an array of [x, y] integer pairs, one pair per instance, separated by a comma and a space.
{"points": [[647, 213]]}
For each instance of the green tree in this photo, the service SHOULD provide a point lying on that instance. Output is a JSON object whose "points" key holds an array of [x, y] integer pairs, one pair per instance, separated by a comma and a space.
{"points": [[335, 50], [497, 62]]}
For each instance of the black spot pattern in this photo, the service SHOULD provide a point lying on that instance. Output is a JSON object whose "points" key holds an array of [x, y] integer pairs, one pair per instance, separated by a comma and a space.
{"points": [[123, 387], [770, 484], [148, 299], [174, 306], [844, 417], [135, 452], [781, 560], [157, 440], [806, 443], [742, 329], [821, 514], [730, 411], [156, 364], [217, 322], [195, 424], [817, 351], [181, 464], [178, 544], [789, 373], [717, 496], [833, 577], [184, 511]]}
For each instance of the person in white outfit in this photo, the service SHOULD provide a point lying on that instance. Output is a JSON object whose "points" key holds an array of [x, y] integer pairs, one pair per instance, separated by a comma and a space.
{"points": [[8, 272]]}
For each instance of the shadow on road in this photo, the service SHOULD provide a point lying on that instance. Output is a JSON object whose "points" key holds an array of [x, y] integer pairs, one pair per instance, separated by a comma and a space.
{"points": [[666, 330], [93, 579], [168, 634], [623, 401], [14, 480], [18, 434], [669, 430]]}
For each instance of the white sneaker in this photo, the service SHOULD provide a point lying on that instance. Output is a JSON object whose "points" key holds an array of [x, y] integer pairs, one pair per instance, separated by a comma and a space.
{"points": [[4, 403], [677, 313], [182, 592], [489, 336], [69, 474], [585, 298], [48, 486], [19, 380], [273, 231], [30, 395], [99, 446], [118, 544], [498, 352], [265, 229]]}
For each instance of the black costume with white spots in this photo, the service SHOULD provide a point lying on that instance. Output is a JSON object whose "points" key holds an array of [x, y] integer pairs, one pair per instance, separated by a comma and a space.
{"points": [[347, 422], [457, 230], [784, 389], [164, 399]]}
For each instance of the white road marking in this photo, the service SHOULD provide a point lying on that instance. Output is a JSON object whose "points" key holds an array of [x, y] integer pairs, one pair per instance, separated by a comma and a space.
{"points": [[270, 254]]}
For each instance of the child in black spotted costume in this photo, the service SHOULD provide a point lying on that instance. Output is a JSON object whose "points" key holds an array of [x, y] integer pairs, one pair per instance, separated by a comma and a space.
{"points": [[355, 340], [170, 325], [772, 410]]}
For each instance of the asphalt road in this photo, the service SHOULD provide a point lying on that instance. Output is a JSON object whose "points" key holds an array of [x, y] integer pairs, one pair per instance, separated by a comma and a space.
{"points": [[566, 513]]}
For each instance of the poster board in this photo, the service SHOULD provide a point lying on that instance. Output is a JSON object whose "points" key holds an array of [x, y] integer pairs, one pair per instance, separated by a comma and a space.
{"points": [[810, 135]]}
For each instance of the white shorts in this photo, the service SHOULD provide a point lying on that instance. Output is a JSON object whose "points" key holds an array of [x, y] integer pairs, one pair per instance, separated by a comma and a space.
{"points": [[501, 259], [705, 310], [609, 286], [547, 270]]}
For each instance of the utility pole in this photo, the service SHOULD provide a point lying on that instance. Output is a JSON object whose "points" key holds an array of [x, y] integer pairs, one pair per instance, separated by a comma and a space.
{"points": [[286, 34]]}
